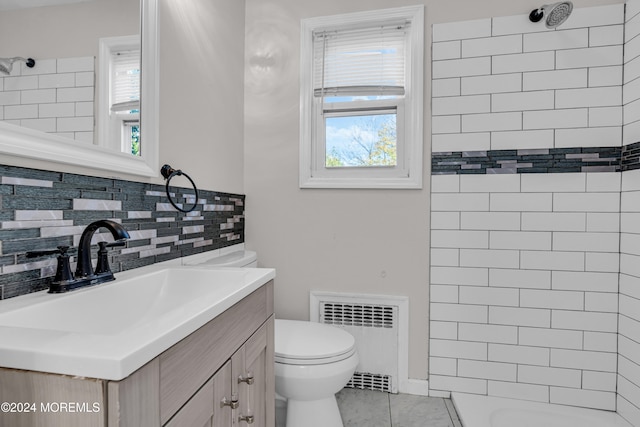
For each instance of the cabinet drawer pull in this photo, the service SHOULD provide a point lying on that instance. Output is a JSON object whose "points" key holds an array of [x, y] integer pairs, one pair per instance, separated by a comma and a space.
{"points": [[248, 379], [247, 418], [233, 403]]}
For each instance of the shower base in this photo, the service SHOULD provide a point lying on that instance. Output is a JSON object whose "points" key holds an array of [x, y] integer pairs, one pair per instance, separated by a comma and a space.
{"points": [[486, 411]]}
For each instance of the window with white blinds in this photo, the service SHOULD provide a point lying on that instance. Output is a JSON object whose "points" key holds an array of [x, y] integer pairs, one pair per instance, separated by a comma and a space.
{"points": [[125, 81], [366, 61], [361, 85]]}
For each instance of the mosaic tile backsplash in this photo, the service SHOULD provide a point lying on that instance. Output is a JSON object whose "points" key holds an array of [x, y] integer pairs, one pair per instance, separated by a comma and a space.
{"points": [[547, 160], [43, 209]]}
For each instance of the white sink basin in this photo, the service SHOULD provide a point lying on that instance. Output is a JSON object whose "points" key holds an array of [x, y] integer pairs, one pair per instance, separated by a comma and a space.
{"points": [[112, 329]]}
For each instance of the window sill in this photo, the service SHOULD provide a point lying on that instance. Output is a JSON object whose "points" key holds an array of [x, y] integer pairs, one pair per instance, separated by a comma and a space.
{"points": [[412, 182]]}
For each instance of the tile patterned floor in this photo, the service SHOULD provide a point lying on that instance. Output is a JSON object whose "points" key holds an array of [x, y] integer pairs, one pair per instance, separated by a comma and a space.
{"points": [[365, 408]]}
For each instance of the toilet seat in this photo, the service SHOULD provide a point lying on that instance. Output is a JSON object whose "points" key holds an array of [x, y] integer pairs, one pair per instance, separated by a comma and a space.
{"points": [[310, 343]]}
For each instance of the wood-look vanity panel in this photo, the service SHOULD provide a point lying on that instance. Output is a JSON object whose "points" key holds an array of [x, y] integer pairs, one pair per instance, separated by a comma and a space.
{"points": [[270, 374], [134, 401], [84, 400], [191, 362]]}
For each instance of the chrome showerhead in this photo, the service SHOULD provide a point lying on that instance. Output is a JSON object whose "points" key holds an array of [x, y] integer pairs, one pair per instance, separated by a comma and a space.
{"points": [[556, 13], [6, 64]]}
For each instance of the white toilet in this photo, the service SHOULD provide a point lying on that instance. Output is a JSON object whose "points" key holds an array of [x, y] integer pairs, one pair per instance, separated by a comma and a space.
{"points": [[313, 361]]}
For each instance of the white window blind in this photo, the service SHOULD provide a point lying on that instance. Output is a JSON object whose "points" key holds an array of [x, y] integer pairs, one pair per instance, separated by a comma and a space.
{"points": [[367, 61], [125, 86]]}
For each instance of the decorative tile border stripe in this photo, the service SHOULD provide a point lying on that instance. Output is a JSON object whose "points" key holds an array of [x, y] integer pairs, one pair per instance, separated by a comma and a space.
{"points": [[631, 156], [43, 210], [552, 160]]}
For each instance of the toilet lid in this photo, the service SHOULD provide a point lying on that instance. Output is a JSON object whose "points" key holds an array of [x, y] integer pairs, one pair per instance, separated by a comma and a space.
{"points": [[309, 342]]}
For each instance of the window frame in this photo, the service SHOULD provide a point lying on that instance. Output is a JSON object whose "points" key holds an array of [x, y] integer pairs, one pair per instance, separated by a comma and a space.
{"points": [[127, 131], [408, 172], [111, 125]]}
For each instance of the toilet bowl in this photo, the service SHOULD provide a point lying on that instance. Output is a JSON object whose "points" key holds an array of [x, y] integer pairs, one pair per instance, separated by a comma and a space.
{"points": [[313, 361]]}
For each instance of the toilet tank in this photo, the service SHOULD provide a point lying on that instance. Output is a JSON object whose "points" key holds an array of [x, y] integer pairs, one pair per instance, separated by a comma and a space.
{"points": [[246, 259]]}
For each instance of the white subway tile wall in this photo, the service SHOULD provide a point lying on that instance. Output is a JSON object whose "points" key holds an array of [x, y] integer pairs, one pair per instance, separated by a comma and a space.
{"points": [[56, 96], [524, 267], [501, 76], [628, 371], [516, 289]]}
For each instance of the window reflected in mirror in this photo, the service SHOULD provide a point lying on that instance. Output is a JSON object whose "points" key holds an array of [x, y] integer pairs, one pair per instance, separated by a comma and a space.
{"points": [[119, 115]]}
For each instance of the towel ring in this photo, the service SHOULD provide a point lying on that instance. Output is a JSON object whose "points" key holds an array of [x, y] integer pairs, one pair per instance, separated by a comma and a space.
{"points": [[168, 172]]}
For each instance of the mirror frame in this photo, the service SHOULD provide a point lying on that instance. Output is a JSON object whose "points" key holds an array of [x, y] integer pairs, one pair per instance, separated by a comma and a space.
{"points": [[32, 144]]}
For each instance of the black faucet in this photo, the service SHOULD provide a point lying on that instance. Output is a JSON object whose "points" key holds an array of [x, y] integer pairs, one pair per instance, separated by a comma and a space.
{"points": [[64, 280], [84, 268]]}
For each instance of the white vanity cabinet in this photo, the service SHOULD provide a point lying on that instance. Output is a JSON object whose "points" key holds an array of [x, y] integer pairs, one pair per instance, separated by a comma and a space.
{"points": [[183, 386]]}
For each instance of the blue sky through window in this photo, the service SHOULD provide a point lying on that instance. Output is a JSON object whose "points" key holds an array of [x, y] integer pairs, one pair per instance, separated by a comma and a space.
{"points": [[355, 140]]}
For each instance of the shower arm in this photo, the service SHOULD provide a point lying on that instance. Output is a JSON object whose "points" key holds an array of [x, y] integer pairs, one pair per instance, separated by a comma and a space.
{"points": [[536, 15], [6, 64]]}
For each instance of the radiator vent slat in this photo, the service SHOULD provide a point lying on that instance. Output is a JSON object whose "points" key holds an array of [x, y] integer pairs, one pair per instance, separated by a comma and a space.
{"points": [[376, 316], [367, 381]]}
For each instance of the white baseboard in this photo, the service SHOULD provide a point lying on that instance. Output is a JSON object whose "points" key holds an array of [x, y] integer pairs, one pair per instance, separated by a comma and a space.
{"points": [[412, 386]]}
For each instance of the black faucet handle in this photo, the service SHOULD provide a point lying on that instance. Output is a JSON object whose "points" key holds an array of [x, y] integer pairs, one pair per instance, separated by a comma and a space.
{"points": [[102, 267], [116, 243], [63, 271], [104, 245], [35, 254]]}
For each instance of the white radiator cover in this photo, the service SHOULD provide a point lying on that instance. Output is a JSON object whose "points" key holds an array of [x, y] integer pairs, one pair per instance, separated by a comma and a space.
{"points": [[380, 326]]}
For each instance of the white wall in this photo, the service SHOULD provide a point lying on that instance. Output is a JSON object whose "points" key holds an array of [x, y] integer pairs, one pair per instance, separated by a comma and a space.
{"points": [[524, 286], [501, 83], [525, 265], [68, 30], [363, 241], [201, 91], [628, 402], [338, 240], [201, 85]]}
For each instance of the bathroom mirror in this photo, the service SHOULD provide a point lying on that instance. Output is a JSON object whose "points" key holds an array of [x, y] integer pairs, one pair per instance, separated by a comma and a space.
{"points": [[34, 144]]}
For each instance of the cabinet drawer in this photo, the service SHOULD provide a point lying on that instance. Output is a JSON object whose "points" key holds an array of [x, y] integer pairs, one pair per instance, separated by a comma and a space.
{"points": [[188, 364], [198, 411]]}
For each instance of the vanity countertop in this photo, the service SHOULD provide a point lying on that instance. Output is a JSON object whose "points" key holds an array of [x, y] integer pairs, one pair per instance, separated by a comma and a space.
{"points": [[110, 330]]}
